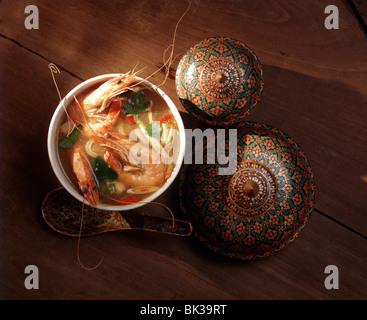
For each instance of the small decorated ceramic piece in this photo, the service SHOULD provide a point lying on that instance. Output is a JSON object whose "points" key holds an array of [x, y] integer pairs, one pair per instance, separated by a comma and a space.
{"points": [[64, 214], [262, 206], [219, 81]]}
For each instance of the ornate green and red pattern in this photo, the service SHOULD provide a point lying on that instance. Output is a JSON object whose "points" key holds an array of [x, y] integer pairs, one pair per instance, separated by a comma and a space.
{"points": [[233, 189], [64, 214], [231, 97], [227, 222]]}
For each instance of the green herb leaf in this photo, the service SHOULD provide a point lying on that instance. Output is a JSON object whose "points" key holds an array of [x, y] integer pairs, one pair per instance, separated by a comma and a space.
{"points": [[73, 137], [103, 170], [124, 94], [154, 129], [137, 105]]}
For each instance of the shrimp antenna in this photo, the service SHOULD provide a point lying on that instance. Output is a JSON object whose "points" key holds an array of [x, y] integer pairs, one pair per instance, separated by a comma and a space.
{"points": [[78, 246], [54, 69], [168, 62]]}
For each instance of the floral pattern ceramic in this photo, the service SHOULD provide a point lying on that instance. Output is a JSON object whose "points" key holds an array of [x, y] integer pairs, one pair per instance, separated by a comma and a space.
{"points": [[63, 213], [219, 81], [252, 223]]}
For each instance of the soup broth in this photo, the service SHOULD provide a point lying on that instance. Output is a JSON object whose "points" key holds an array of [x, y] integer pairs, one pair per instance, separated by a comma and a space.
{"points": [[122, 152]]}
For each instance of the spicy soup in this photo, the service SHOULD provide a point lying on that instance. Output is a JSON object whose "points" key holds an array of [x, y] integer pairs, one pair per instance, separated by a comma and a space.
{"points": [[122, 152]]}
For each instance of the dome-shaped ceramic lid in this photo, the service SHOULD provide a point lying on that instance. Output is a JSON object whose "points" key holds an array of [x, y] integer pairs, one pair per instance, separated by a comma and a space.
{"points": [[219, 81], [262, 206]]}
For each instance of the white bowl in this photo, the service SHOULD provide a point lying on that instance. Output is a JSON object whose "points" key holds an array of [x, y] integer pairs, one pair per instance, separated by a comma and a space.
{"points": [[53, 152]]}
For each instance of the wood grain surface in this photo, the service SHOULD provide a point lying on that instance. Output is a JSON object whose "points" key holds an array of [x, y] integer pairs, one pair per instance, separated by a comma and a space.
{"points": [[361, 8], [315, 91]]}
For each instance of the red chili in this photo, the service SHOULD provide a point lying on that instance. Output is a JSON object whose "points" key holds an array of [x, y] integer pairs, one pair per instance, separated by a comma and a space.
{"points": [[165, 118], [129, 200], [131, 119]]}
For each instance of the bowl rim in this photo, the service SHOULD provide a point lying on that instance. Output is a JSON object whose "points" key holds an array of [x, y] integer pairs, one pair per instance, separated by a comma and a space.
{"points": [[53, 152]]}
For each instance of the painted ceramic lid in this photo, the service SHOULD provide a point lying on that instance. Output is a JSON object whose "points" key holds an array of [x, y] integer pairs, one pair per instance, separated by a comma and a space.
{"points": [[261, 206], [219, 81]]}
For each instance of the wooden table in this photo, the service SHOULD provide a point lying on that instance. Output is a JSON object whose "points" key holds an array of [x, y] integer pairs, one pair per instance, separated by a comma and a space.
{"points": [[315, 90]]}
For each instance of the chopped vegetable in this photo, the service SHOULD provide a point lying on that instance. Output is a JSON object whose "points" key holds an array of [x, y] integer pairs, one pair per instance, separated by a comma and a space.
{"points": [[93, 148], [107, 187], [131, 119], [103, 170], [154, 129], [142, 189], [155, 143], [164, 134], [132, 108], [129, 200], [165, 118], [167, 134], [119, 187], [72, 138]]}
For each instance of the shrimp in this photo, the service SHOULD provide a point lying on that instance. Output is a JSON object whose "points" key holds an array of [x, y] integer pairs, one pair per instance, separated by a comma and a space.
{"points": [[98, 100], [85, 176], [102, 124], [95, 123], [135, 173], [99, 113]]}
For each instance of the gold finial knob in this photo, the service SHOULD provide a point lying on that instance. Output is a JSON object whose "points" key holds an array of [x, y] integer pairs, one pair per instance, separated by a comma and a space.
{"points": [[220, 77], [251, 188]]}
